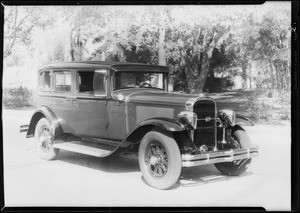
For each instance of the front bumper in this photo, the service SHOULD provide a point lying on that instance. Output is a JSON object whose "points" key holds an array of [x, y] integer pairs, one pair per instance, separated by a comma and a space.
{"points": [[218, 157]]}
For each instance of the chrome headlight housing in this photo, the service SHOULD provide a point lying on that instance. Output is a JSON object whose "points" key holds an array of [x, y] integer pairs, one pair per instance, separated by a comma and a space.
{"points": [[229, 116], [188, 117]]}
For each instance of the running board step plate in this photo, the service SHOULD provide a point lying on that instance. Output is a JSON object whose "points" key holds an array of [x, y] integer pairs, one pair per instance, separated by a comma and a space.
{"points": [[83, 148]]}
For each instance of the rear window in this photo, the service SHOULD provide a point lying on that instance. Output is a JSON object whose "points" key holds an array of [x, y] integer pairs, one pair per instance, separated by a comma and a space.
{"points": [[62, 81], [45, 81]]}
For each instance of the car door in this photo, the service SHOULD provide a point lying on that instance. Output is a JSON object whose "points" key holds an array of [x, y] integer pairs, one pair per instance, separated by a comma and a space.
{"points": [[90, 103], [61, 98], [116, 111]]}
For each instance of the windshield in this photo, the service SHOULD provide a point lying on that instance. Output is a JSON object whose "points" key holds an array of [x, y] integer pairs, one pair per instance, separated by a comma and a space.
{"points": [[124, 80]]}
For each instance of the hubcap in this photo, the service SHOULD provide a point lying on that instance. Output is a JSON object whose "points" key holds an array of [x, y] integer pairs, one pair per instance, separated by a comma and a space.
{"points": [[44, 139], [156, 159]]}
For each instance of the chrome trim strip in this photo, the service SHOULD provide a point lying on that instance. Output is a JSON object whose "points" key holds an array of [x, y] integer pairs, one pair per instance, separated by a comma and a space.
{"points": [[203, 119], [218, 157]]}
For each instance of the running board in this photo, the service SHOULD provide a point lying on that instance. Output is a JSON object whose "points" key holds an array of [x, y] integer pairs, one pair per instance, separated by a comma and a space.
{"points": [[84, 148]]}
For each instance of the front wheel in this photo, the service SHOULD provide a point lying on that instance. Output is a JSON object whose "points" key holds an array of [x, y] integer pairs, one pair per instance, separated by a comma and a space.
{"points": [[43, 137], [159, 160], [237, 167]]}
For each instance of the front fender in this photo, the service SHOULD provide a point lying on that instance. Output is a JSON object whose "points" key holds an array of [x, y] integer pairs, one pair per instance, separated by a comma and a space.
{"points": [[231, 118], [243, 120], [46, 112], [166, 125]]}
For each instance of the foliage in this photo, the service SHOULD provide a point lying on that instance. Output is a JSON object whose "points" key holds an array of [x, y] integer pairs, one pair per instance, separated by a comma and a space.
{"points": [[205, 47], [265, 108], [20, 23], [17, 97]]}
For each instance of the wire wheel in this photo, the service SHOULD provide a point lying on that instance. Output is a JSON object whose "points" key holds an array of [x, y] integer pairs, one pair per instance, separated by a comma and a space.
{"points": [[159, 160], [44, 142], [44, 139], [156, 159]]}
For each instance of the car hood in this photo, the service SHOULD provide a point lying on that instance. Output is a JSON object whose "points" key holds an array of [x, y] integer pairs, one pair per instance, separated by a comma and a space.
{"points": [[153, 97]]}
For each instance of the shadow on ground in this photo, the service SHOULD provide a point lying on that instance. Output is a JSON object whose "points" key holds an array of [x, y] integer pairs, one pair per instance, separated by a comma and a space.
{"points": [[205, 175], [120, 164], [111, 164]]}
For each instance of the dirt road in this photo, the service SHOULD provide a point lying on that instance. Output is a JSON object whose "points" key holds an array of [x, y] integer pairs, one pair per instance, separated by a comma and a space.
{"points": [[80, 180]]}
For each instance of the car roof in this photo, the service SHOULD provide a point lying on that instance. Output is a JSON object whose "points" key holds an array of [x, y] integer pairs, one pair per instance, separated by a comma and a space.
{"points": [[116, 66]]}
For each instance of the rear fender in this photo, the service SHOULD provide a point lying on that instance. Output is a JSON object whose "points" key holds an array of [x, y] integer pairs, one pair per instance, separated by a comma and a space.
{"points": [[44, 112], [167, 126]]}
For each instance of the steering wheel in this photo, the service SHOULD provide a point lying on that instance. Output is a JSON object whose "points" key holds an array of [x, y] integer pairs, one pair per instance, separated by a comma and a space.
{"points": [[145, 85]]}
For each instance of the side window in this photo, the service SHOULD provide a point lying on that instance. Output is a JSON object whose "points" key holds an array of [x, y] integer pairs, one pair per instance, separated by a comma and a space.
{"points": [[85, 82], [92, 82], [45, 81], [62, 81]]}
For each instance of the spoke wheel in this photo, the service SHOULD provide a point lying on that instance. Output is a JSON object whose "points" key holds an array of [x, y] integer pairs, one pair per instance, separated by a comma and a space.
{"points": [[43, 137], [159, 160], [156, 159]]}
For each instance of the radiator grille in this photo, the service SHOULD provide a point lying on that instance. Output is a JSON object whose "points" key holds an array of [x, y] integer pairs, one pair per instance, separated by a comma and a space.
{"points": [[205, 131]]}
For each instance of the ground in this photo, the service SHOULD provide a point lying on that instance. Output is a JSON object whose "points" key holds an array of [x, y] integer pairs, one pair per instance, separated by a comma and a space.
{"points": [[79, 180]]}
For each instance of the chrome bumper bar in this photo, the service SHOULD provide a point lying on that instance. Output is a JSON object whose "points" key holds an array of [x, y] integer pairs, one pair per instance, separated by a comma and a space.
{"points": [[24, 128], [218, 157]]}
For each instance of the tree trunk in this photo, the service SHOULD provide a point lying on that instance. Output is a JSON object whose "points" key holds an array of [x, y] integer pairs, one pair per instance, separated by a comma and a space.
{"points": [[115, 51], [202, 79], [210, 82], [190, 78], [80, 52], [273, 73], [244, 76], [102, 56], [161, 50], [203, 74], [72, 50]]}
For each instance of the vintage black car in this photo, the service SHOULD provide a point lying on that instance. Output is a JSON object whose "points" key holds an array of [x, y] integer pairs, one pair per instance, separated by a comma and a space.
{"points": [[104, 108]]}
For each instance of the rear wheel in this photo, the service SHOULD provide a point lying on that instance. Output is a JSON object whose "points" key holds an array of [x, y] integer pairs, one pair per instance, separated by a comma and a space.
{"points": [[43, 138], [159, 160], [241, 140]]}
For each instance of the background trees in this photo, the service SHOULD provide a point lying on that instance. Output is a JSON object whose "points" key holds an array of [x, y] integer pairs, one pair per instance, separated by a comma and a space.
{"points": [[205, 47]]}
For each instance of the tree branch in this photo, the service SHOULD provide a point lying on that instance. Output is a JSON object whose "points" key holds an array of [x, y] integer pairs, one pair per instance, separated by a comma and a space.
{"points": [[7, 17], [7, 52]]}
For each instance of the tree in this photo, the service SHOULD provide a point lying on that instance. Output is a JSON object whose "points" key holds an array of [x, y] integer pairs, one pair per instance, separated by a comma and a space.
{"points": [[273, 45], [198, 37], [20, 22]]}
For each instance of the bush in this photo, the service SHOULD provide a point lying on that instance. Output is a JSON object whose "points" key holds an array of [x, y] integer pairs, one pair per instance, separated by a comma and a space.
{"points": [[17, 97], [265, 107]]}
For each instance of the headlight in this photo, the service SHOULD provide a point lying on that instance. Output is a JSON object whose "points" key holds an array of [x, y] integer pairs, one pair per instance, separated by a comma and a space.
{"points": [[229, 115], [188, 107], [189, 117]]}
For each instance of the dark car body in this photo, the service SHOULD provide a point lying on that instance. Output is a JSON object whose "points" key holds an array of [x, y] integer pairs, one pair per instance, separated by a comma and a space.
{"points": [[103, 103]]}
